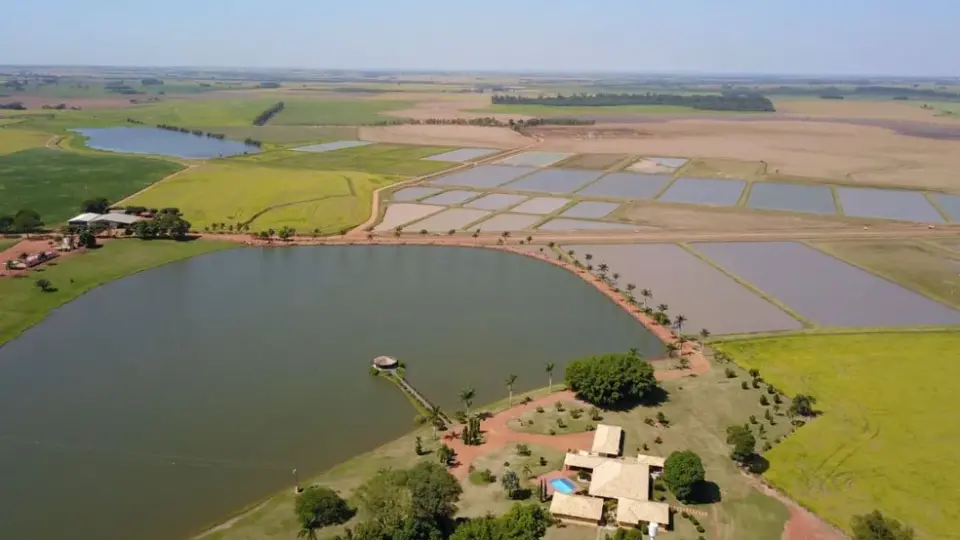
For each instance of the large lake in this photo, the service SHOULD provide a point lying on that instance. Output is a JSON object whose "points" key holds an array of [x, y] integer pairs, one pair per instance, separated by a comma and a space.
{"points": [[163, 402], [162, 142]]}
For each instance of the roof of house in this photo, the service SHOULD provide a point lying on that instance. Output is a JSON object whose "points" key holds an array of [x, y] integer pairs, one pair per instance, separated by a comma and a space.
{"points": [[606, 440], [653, 461], [583, 460], [86, 217], [633, 512], [616, 479], [114, 217], [577, 506]]}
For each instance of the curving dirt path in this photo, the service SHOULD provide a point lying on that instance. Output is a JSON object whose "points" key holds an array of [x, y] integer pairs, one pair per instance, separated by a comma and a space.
{"points": [[189, 167]]}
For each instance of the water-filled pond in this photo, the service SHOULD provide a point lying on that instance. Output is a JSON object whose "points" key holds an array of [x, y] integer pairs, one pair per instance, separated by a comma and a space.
{"points": [[174, 397], [162, 142]]}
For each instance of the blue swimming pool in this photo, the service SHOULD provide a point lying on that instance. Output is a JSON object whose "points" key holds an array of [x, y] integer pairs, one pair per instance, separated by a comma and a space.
{"points": [[562, 485]]}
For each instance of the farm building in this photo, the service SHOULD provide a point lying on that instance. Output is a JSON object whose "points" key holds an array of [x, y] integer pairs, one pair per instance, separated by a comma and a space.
{"points": [[617, 479], [83, 219], [577, 508], [120, 221], [631, 512], [607, 440]]}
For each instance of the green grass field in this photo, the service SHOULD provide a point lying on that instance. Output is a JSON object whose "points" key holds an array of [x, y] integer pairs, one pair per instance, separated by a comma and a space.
{"points": [[375, 159], [74, 89], [23, 305], [7, 242], [549, 110], [723, 168], [15, 140], [922, 267], [56, 182], [340, 112], [888, 434], [232, 193]]}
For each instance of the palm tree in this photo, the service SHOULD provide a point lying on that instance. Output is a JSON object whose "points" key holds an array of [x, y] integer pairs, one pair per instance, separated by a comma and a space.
{"points": [[631, 287], [527, 471], [646, 294], [588, 256], [602, 268], [433, 416], [505, 235], [662, 308], [466, 397], [529, 239], [571, 253], [511, 379], [307, 531], [634, 352], [704, 333], [549, 369], [397, 231], [679, 320], [671, 349], [616, 276]]}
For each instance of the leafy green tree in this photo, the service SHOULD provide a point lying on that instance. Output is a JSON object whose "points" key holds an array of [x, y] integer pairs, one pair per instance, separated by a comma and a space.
{"points": [[87, 238], [319, 507], [521, 522], [26, 221], [682, 472], [679, 320], [44, 285], [647, 294], [384, 499], [802, 405], [743, 442], [875, 526], [418, 446], [611, 379], [510, 483], [98, 205]]}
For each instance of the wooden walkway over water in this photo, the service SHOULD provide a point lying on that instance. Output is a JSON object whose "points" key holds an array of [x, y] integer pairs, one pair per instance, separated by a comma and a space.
{"points": [[412, 392]]}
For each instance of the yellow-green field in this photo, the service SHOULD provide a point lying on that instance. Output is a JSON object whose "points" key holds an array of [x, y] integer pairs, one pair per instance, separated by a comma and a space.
{"points": [[267, 197], [925, 268], [15, 140], [374, 158], [888, 435]]}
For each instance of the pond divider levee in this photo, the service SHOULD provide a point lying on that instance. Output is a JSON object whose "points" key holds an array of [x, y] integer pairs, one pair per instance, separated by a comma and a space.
{"points": [[419, 401]]}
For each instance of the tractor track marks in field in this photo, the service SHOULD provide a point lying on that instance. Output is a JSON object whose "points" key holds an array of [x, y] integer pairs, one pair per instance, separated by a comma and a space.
{"points": [[350, 188]]}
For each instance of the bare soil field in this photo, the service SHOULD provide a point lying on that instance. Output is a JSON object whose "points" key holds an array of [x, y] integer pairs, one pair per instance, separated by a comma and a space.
{"points": [[873, 110], [486, 137], [840, 152]]}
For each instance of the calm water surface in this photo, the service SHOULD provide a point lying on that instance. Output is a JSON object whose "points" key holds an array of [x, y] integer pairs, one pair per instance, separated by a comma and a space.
{"points": [[162, 142], [173, 397]]}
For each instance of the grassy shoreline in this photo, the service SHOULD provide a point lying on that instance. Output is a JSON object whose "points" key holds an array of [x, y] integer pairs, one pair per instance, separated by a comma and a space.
{"points": [[22, 305]]}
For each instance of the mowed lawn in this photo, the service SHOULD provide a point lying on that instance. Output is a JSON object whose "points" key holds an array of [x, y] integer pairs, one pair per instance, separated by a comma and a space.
{"points": [[14, 140], [888, 435], [339, 112], [930, 270], [56, 182], [22, 304], [374, 158], [234, 193]]}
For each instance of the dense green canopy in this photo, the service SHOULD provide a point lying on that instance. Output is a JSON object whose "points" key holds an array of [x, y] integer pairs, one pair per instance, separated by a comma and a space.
{"points": [[612, 379]]}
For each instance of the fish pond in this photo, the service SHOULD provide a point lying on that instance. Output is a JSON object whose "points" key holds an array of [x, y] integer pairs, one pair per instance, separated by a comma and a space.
{"points": [[162, 142], [166, 401]]}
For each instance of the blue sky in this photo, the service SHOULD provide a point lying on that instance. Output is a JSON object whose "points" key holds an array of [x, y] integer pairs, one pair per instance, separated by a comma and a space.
{"points": [[920, 37]]}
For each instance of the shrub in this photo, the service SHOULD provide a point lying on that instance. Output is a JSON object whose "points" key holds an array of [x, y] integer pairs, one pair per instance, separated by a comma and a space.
{"points": [[662, 418], [539, 409], [764, 401], [767, 446], [558, 406], [730, 373], [595, 414], [612, 379], [648, 421], [460, 417], [744, 385], [590, 427], [700, 529], [754, 373], [777, 399], [576, 413], [658, 440], [753, 419], [523, 450], [552, 432], [755, 383], [543, 461], [682, 472], [771, 390], [560, 423]]}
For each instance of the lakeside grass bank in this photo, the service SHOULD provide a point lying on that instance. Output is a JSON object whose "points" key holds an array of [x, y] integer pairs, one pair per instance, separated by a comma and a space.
{"points": [[23, 305]]}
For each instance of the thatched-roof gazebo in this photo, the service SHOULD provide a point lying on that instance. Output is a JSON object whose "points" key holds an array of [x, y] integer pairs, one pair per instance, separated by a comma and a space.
{"points": [[385, 362]]}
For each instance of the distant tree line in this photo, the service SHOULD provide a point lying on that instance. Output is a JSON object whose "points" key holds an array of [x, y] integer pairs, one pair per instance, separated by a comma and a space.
{"points": [[265, 116], [833, 92], [13, 106], [270, 84], [726, 101], [151, 81], [197, 132], [488, 121]]}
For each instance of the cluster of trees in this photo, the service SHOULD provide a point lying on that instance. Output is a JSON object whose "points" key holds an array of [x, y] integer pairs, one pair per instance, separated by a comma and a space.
{"points": [[725, 101], [167, 223], [319, 507], [13, 106], [521, 522], [471, 432], [24, 221], [270, 84], [612, 380], [743, 442], [57, 107], [151, 81], [833, 92], [876, 526], [265, 116]]}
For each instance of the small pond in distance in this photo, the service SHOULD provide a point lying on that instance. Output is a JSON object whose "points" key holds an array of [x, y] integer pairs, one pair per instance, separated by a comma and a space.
{"points": [[162, 142], [176, 396]]}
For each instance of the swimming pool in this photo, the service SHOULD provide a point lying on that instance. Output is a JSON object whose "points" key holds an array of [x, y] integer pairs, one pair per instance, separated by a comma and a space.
{"points": [[562, 485]]}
